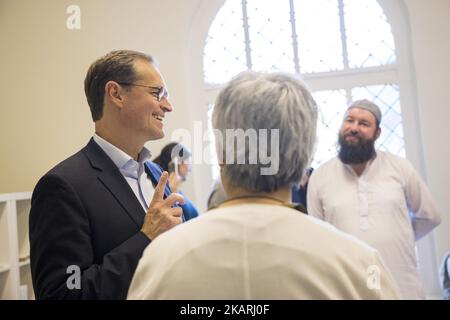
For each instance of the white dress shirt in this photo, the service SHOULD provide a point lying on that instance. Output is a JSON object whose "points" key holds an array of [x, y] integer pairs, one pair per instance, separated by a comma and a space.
{"points": [[259, 251], [133, 171], [388, 207]]}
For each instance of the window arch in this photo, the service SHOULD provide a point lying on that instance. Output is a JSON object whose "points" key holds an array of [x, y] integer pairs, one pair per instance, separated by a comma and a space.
{"points": [[344, 49]]}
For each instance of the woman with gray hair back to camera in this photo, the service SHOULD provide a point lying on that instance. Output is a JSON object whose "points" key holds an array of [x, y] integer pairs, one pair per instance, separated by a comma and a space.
{"points": [[256, 245]]}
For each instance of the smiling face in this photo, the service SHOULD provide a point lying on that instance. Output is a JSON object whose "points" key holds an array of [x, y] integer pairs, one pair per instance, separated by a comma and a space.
{"points": [[142, 113], [359, 125]]}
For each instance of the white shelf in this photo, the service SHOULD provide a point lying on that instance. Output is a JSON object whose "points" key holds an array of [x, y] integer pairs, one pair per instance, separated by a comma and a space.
{"points": [[3, 268], [15, 275], [15, 196], [24, 263]]}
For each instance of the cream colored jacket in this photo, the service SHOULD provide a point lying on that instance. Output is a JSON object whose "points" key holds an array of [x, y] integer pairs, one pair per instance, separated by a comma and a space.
{"points": [[259, 251]]}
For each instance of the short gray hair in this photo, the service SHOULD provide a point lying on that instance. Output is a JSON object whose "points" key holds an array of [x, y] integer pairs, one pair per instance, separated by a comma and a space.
{"points": [[257, 101]]}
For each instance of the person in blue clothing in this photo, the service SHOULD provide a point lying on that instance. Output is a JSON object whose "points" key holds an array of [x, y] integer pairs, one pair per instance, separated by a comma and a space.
{"points": [[175, 158], [299, 191]]}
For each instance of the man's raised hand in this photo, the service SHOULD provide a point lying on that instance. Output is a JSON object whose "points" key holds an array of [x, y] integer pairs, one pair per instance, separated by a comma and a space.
{"points": [[161, 216]]}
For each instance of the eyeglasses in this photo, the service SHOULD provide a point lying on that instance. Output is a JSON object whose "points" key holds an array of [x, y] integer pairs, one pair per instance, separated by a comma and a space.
{"points": [[161, 93]]}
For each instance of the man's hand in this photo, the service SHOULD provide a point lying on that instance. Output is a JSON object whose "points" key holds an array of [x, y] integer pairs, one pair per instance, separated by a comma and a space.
{"points": [[161, 216]]}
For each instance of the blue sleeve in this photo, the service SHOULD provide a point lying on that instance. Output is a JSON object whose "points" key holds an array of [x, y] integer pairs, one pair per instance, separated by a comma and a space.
{"points": [[189, 210]]}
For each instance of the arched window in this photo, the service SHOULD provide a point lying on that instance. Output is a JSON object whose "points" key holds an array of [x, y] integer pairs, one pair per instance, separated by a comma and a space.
{"points": [[344, 49]]}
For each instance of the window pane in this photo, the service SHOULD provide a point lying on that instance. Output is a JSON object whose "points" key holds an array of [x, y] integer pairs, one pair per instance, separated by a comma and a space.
{"points": [[318, 35], [224, 54], [388, 99], [270, 35], [332, 106], [369, 36]]}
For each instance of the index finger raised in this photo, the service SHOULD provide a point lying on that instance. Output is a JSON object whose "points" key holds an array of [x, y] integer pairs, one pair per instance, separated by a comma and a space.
{"points": [[160, 187]]}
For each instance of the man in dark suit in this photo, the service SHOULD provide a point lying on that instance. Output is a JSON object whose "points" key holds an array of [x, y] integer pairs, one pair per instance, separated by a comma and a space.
{"points": [[93, 214]]}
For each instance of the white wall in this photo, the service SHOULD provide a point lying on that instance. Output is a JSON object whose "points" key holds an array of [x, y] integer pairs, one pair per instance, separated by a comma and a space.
{"points": [[430, 29], [44, 116]]}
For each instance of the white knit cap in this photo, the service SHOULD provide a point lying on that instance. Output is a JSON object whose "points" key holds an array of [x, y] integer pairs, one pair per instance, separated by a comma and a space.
{"points": [[369, 106]]}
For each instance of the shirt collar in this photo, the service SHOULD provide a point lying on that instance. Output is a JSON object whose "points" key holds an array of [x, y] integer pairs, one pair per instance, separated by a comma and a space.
{"points": [[119, 157]]}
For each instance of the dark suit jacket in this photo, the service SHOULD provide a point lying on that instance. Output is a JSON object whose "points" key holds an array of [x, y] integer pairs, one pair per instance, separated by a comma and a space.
{"points": [[84, 213]]}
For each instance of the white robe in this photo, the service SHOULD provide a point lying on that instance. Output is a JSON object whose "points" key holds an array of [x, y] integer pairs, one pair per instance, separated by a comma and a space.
{"points": [[388, 207], [259, 251]]}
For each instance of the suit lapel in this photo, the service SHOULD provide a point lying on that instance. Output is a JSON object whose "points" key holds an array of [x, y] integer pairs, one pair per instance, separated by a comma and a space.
{"points": [[114, 182]]}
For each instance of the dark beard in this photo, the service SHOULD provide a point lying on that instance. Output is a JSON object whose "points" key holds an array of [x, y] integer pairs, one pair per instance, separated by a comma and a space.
{"points": [[357, 153]]}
